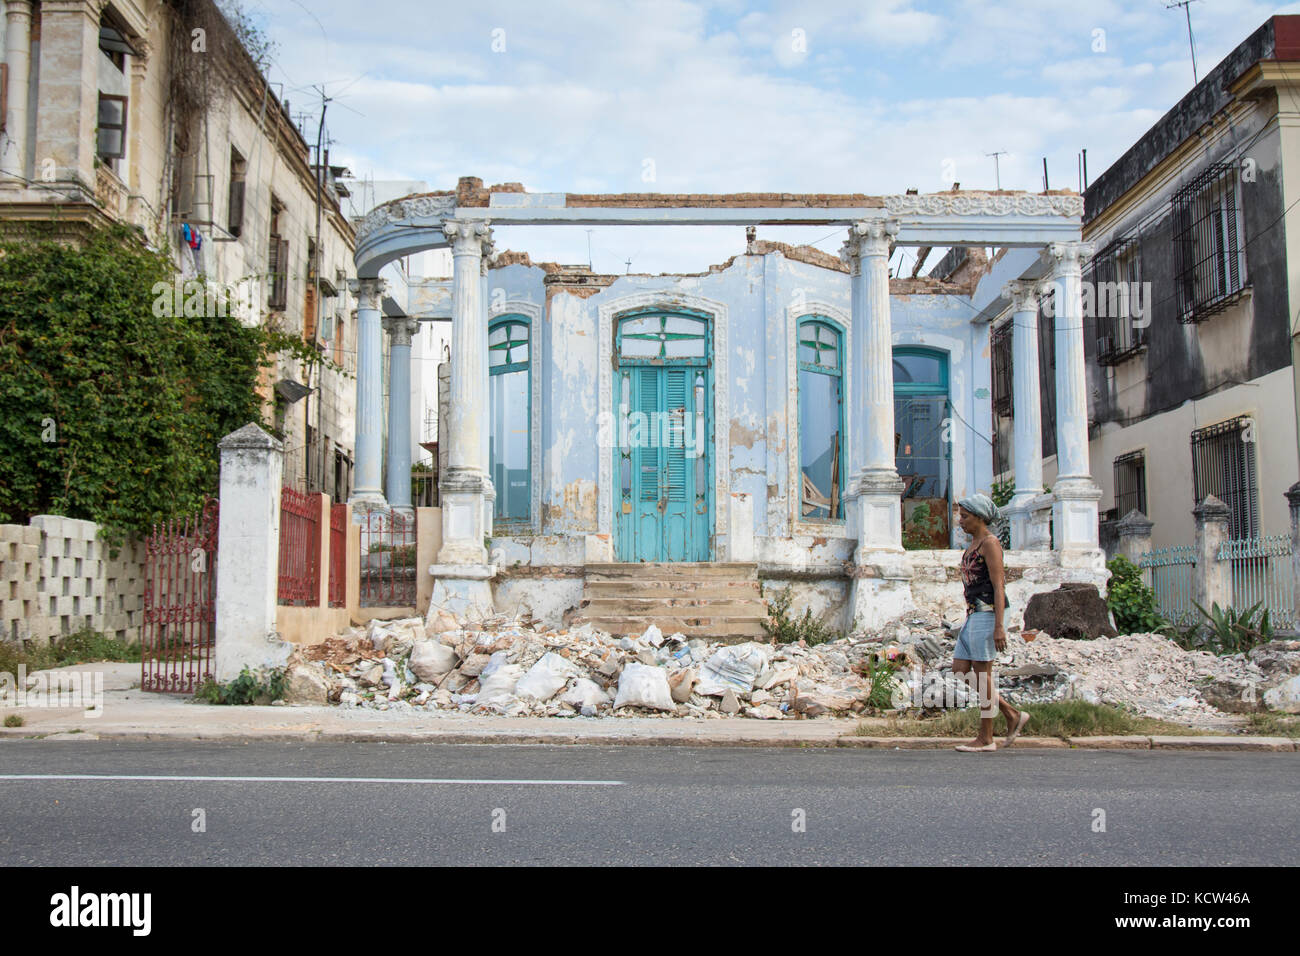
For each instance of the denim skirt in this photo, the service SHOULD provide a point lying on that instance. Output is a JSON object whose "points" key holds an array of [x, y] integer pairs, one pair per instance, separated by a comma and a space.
{"points": [[975, 642]]}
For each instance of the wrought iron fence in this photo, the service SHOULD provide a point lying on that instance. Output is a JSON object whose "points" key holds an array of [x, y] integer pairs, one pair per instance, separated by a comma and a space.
{"points": [[1172, 571], [299, 548], [338, 555], [1262, 573], [387, 559], [177, 640]]}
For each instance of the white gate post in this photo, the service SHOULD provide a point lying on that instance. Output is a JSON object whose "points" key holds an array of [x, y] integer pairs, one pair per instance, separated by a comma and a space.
{"points": [[1213, 584], [248, 554]]}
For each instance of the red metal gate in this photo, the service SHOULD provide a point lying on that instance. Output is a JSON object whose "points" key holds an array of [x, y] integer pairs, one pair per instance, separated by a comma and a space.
{"points": [[387, 559], [338, 554], [299, 548], [177, 641]]}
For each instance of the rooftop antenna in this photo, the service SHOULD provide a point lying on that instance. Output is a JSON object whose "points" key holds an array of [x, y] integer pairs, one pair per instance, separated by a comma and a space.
{"points": [[997, 169], [1191, 41]]}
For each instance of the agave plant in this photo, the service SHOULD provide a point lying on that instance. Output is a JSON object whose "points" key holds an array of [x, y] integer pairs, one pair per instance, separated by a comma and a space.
{"points": [[1234, 632]]}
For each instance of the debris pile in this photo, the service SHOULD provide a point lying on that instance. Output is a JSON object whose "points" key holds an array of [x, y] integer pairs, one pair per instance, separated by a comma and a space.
{"points": [[515, 667]]}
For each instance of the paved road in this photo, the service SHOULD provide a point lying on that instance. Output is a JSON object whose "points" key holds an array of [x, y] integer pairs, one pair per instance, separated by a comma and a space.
{"points": [[633, 805]]}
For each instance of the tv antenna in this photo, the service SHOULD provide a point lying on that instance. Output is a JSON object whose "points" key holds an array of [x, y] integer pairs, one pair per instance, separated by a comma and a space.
{"points": [[1191, 41], [997, 169]]}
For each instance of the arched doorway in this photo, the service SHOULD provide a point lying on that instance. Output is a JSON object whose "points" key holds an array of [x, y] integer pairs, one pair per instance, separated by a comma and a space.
{"points": [[923, 445], [663, 388]]}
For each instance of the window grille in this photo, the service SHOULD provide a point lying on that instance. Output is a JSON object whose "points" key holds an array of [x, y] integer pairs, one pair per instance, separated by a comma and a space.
{"points": [[1130, 484], [1223, 465], [1114, 280], [1002, 375], [1207, 243]]}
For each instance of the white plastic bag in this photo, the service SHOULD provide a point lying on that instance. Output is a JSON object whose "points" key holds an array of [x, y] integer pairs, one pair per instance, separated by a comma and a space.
{"points": [[546, 678], [643, 686], [500, 685], [735, 667]]}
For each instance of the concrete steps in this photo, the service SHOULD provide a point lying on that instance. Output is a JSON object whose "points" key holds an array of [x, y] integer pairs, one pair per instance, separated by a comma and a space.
{"points": [[721, 602]]}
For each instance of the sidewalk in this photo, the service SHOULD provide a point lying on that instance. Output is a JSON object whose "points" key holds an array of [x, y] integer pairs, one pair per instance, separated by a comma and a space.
{"points": [[131, 714]]}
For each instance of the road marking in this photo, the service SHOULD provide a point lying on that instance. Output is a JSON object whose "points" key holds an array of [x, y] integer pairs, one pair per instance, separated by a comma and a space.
{"points": [[151, 778]]}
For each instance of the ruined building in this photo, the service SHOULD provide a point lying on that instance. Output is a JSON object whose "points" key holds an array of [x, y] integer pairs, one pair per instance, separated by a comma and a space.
{"points": [[787, 415]]}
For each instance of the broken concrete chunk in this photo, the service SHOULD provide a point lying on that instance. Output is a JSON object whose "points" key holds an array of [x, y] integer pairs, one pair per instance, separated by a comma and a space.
{"points": [[305, 684], [653, 636], [730, 703], [681, 683]]}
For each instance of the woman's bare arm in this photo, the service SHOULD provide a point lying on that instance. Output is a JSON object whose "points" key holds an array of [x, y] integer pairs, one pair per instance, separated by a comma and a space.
{"points": [[991, 549]]}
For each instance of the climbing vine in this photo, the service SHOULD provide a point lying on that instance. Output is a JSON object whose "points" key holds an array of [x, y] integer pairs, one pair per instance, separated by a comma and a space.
{"points": [[109, 410]]}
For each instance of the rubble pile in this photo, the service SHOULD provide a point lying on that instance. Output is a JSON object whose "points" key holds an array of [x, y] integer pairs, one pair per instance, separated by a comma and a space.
{"points": [[515, 667]]}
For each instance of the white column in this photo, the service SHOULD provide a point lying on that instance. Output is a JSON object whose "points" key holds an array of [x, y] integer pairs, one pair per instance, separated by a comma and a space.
{"points": [[1075, 494], [367, 488], [485, 460], [248, 556], [462, 573], [400, 330], [874, 488], [18, 47], [1026, 534], [880, 571]]}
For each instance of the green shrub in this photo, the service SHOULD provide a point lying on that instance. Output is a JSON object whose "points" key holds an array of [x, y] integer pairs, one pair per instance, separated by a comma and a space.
{"points": [[1130, 600], [14, 720], [247, 688], [1228, 631], [783, 629]]}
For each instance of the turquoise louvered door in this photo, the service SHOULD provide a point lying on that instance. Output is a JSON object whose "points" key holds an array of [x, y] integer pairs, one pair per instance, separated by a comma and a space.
{"points": [[664, 512]]}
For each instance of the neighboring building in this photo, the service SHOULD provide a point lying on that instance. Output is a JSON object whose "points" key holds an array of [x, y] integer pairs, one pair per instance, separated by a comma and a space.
{"points": [[1198, 395], [124, 112]]}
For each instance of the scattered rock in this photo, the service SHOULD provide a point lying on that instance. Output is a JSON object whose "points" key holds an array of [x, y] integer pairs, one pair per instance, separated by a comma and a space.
{"points": [[1071, 612], [305, 684], [1284, 697]]}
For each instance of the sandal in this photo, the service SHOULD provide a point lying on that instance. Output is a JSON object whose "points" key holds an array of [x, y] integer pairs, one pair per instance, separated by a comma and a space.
{"points": [[1015, 731], [968, 749]]}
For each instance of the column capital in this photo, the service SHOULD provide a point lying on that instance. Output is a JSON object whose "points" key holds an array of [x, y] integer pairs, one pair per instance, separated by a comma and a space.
{"points": [[400, 329], [1023, 294], [367, 291], [1068, 256], [869, 237], [468, 237]]}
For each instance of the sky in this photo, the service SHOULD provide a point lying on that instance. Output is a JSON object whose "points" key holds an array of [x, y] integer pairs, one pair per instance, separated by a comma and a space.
{"points": [[876, 96]]}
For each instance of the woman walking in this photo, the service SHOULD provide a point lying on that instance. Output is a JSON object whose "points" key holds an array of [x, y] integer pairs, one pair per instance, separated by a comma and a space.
{"points": [[982, 636]]}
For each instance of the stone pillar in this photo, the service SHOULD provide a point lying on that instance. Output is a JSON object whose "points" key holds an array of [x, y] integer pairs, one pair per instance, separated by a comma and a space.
{"points": [[1134, 531], [485, 440], [1213, 583], [248, 556], [367, 489], [1293, 501], [400, 330], [18, 48], [1028, 528], [1075, 494], [462, 573], [881, 571], [69, 91]]}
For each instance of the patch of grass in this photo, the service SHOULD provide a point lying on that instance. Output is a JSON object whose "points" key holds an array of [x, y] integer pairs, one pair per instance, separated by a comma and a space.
{"points": [[14, 720], [83, 647], [1066, 718], [247, 688], [1274, 725]]}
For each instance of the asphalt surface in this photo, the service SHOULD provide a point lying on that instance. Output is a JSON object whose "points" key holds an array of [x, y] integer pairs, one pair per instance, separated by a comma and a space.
{"points": [[638, 805]]}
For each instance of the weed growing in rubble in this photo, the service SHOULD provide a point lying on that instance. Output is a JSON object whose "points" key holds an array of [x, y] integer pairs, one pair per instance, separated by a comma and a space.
{"points": [[784, 629], [14, 720], [1229, 631], [247, 688]]}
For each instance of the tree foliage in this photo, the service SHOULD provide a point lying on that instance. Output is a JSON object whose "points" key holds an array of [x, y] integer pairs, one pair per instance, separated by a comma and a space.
{"points": [[109, 411]]}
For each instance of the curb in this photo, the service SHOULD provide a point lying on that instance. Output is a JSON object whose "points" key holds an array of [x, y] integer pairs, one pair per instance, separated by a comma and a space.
{"points": [[1206, 743]]}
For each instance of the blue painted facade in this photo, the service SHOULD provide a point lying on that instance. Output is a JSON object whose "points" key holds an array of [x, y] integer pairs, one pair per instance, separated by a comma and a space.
{"points": [[753, 308]]}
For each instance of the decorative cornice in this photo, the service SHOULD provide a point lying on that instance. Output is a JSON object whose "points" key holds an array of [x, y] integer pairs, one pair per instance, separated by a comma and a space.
{"points": [[403, 210], [984, 204]]}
